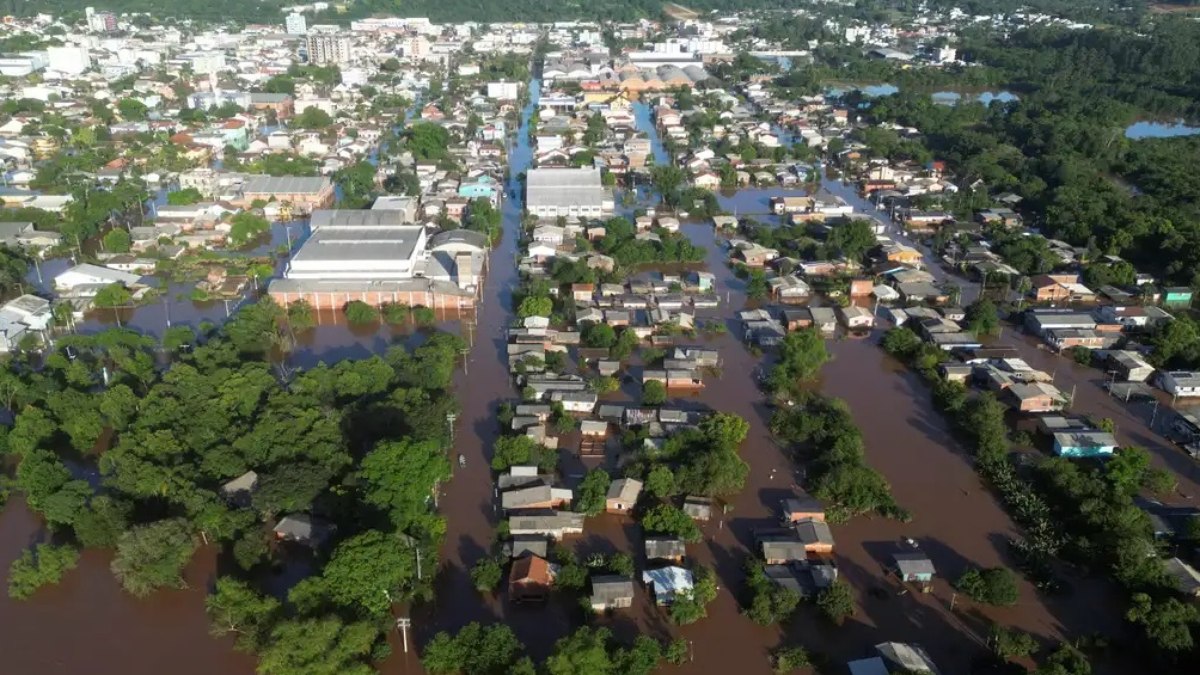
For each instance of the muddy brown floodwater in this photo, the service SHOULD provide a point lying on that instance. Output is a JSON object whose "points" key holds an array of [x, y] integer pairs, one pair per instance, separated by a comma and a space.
{"points": [[88, 624]]}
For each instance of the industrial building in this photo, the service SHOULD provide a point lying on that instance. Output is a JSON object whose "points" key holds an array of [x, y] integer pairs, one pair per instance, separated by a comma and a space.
{"points": [[571, 193], [378, 257]]}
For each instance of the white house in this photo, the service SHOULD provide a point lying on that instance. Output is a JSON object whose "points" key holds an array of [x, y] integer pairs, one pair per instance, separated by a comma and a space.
{"points": [[86, 279], [1180, 382]]}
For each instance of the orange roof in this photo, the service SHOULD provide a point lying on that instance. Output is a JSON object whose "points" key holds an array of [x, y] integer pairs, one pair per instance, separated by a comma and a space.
{"points": [[531, 568]]}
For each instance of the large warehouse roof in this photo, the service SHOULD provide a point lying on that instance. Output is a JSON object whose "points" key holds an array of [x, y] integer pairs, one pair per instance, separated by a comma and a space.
{"points": [[356, 218], [285, 184], [564, 187]]}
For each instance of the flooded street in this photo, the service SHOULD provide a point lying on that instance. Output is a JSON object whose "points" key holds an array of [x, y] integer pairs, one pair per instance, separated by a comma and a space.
{"points": [[956, 520]]}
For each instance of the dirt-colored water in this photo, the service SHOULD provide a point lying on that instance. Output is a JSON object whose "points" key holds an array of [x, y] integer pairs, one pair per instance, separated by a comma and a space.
{"points": [[87, 624]]}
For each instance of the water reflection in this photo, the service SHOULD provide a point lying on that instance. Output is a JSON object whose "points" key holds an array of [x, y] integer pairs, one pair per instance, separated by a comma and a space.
{"points": [[1146, 129]]}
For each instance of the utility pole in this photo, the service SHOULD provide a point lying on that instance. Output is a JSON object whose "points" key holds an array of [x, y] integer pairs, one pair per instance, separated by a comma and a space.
{"points": [[403, 624]]}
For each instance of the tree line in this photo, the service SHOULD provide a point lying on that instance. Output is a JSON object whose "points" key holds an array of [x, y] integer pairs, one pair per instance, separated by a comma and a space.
{"points": [[357, 448]]}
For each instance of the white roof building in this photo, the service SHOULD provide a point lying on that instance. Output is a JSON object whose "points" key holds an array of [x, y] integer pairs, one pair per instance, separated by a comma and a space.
{"points": [[86, 274], [553, 192]]}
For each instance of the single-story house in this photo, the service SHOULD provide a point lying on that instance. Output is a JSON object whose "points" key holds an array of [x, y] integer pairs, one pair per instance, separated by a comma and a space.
{"points": [[1084, 443], [611, 592], [665, 548], [622, 495], [913, 566], [530, 579], [668, 582]]}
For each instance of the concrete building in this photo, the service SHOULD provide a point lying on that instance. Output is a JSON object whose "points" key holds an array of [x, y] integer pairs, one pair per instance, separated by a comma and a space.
{"points": [[504, 91], [329, 49], [304, 193], [68, 60], [578, 193], [378, 257], [295, 24]]}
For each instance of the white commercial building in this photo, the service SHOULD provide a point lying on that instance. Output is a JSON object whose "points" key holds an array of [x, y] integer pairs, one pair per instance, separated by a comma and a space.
{"points": [[550, 193], [296, 24], [372, 245], [68, 60], [379, 257], [504, 91], [23, 64]]}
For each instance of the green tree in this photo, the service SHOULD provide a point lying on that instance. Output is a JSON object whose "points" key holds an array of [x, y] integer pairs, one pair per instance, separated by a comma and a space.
{"points": [[584, 651], [992, 586], [245, 226], [901, 343], [801, 356], [670, 520], [756, 284], [654, 393], [982, 317], [677, 652], [101, 524], [1010, 644], [592, 493], [117, 240], [236, 609], [475, 650], [113, 295], [836, 602], [1167, 623], [535, 306], [660, 482], [789, 659], [42, 565], [312, 118], [599, 335], [690, 607], [400, 477], [368, 571], [359, 313], [153, 556], [486, 574], [668, 179], [132, 110], [184, 197], [852, 240], [321, 646]]}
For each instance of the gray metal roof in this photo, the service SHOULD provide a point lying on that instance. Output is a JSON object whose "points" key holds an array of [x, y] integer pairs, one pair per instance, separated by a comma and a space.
{"points": [[359, 243], [451, 237], [285, 184], [325, 218]]}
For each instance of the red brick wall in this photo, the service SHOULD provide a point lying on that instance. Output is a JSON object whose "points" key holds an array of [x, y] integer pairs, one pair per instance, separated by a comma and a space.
{"points": [[324, 300]]}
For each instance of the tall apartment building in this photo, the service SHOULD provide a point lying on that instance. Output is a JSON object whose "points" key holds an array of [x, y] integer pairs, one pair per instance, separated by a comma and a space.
{"points": [[296, 24], [101, 22], [328, 49]]}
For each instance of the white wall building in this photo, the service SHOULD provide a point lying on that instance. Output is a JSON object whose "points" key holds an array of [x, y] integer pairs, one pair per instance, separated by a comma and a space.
{"points": [[329, 49], [504, 91], [550, 193], [296, 24], [68, 60]]}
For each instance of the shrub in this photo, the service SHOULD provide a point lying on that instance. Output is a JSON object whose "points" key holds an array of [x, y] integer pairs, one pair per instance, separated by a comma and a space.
{"points": [[360, 313]]}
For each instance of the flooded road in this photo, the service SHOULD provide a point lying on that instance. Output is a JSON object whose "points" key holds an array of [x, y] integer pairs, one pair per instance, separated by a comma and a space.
{"points": [[467, 501]]}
